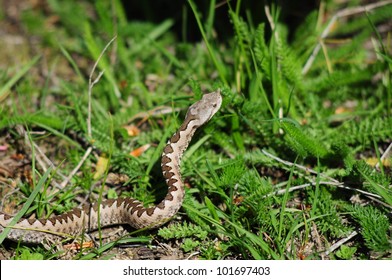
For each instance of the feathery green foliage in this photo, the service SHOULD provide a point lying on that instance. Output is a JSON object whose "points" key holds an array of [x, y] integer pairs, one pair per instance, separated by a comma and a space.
{"points": [[374, 227], [183, 230]]}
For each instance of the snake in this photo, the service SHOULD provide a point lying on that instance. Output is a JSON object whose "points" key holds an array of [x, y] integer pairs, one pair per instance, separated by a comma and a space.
{"points": [[126, 210]]}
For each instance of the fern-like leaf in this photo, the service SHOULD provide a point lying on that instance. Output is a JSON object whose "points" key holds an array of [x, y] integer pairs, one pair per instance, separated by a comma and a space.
{"points": [[301, 142], [182, 230], [261, 51], [374, 227], [376, 129]]}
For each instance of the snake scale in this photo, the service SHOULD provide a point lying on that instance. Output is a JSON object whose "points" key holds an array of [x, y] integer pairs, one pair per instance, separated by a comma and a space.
{"points": [[124, 210]]}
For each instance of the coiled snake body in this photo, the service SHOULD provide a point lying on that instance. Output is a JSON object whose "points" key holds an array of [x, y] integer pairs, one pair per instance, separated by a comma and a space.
{"points": [[124, 210]]}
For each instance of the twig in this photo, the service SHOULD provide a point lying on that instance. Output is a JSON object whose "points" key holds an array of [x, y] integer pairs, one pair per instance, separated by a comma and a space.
{"points": [[338, 244], [342, 13], [339, 185], [316, 236], [332, 182], [381, 202], [192, 255], [113, 54], [42, 160], [271, 22], [73, 172], [30, 143], [361, 9], [158, 111], [386, 154], [91, 84], [306, 169]]}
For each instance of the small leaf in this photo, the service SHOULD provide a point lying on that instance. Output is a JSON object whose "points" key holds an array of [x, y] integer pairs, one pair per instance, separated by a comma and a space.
{"points": [[346, 252], [132, 130], [139, 151], [211, 208], [102, 165]]}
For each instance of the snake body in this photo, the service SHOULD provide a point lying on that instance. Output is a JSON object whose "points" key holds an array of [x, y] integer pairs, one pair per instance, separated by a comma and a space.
{"points": [[124, 210]]}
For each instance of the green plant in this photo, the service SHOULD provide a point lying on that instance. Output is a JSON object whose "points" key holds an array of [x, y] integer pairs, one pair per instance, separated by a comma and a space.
{"points": [[374, 227], [278, 173]]}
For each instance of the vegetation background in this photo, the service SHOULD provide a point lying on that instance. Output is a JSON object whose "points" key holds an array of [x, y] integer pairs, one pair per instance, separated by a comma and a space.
{"points": [[296, 165]]}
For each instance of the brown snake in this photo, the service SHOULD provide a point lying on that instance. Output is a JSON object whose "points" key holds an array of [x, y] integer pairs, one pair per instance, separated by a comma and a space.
{"points": [[124, 210]]}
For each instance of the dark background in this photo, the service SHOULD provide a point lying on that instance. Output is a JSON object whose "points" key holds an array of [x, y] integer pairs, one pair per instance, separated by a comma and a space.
{"points": [[292, 13]]}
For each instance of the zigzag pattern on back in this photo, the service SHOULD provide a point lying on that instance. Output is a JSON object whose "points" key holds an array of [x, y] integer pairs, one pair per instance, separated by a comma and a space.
{"points": [[125, 210]]}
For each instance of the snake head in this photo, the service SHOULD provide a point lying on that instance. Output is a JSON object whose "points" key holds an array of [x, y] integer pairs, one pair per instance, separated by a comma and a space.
{"points": [[203, 110]]}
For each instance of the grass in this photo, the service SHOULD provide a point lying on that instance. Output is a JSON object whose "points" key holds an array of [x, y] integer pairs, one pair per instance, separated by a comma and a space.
{"points": [[296, 165]]}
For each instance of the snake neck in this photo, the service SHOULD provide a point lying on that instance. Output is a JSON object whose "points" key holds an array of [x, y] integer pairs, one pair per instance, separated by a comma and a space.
{"points": [[171, 161]]}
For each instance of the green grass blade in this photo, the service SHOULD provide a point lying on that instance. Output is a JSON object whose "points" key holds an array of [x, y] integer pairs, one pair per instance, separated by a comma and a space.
{"points": [[7, 86], [380, 189], [219, 66], [26, 205]]}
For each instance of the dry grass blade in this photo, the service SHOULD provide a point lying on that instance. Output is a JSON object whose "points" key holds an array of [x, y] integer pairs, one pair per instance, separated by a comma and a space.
{"points": [[343, 13]]}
